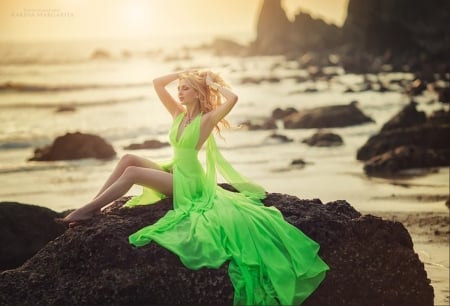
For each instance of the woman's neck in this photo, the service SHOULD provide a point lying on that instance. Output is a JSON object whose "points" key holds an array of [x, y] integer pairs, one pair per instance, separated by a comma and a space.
{"points": [[192, 112]]}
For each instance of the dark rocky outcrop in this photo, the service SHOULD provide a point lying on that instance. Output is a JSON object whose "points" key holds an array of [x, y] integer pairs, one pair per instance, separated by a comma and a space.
{"points": [[407, 117], [148, 144], [271, 29], [279, 113], [263, 124], [429, 135], [276, 34], [324, 139], [406, 157], [408, 140], [400, 26], [326, 117], [378, 35], [24, 230], [372, 262], [75, 146]]}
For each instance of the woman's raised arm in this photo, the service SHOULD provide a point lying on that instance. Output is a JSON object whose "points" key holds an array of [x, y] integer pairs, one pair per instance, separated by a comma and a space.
{"points": [[166, 98], [230, 101]]}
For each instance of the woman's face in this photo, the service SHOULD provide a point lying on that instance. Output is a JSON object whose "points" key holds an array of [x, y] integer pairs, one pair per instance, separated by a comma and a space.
{"points": [[186, 93]]}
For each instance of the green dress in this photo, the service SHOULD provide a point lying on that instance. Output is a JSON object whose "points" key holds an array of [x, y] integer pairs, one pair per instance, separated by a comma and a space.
{"points": [[271, 261]]}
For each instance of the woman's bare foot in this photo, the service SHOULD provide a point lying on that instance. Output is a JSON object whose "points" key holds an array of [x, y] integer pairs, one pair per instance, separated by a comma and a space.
{"points": [[76, 216]]}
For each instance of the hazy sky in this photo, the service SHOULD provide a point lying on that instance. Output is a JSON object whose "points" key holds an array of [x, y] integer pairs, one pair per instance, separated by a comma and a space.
{"points": [[73, 19]]}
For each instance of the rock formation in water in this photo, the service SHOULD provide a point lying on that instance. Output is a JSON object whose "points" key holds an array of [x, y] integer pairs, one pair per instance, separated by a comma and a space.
{"points": [[326, 117], [276, 34], [399, 25], [75, 146], [324, 138], [409, 140]]}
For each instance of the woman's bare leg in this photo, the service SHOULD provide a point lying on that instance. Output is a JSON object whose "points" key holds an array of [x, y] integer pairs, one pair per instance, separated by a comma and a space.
{"points": [[128, 160], [155, 179]]}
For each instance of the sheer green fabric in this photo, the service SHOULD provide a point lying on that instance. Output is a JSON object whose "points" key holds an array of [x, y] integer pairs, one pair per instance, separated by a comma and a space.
{"points": [[271, 261]]}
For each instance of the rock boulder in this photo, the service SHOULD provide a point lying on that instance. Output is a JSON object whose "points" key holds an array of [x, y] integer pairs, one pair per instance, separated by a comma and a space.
{"points": [[324, 139], [24, 230], [372, 262], [409, 140], [148, 144], [75, 146], [326, 117], [408, 116]]}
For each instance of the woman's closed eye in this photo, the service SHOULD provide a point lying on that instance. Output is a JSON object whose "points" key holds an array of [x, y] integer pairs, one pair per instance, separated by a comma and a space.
{"points": [[183, 88]]}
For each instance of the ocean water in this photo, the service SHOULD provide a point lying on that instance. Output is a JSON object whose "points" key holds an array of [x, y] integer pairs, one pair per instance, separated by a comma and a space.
{"points": [[114, 98]]}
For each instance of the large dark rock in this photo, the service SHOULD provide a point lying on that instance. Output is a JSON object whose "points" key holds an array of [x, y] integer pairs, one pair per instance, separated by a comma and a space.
{"points": [[408, 116], [406, 35], [24, 230], [409, 140], [276, 34], [401, 158], [427, 136], [271, 28], [377, 36], [326, 117], [75, 146], [279, 113], [324, 139], [372, 262], [414, 27]]}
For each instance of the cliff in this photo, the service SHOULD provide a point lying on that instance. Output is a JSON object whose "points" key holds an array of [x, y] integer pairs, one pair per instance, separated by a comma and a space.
{"points": [[400, 25], [276, 34], [409, 35]]}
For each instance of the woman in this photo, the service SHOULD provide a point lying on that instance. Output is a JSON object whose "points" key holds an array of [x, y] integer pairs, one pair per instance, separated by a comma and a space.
{"points": [[271, 261]]}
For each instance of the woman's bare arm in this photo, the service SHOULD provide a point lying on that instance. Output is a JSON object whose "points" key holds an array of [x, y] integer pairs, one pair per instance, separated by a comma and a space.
{"points": [[230, 101], [166, 98]]}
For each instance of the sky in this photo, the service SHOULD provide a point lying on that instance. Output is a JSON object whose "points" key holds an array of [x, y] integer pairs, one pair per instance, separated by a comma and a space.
{"points": [[79, 19]]}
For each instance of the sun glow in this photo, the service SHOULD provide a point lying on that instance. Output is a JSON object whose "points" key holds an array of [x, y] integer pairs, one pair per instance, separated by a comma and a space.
{"points": [[137, 17], [145, 18]]}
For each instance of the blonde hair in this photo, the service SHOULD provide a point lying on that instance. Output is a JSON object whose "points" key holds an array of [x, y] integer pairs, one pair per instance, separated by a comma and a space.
{"points": [[209, 98]]}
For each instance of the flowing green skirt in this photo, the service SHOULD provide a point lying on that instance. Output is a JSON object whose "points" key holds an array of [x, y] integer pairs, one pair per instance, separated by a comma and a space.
{"points": [[271, 261]]}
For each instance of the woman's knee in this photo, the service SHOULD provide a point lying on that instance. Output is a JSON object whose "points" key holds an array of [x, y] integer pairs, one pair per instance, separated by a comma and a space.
{"points": [[128, 160], [130, 173]]}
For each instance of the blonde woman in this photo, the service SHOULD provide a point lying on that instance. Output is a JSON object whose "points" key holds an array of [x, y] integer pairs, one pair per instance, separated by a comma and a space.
{"points": [[271, 261]]}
